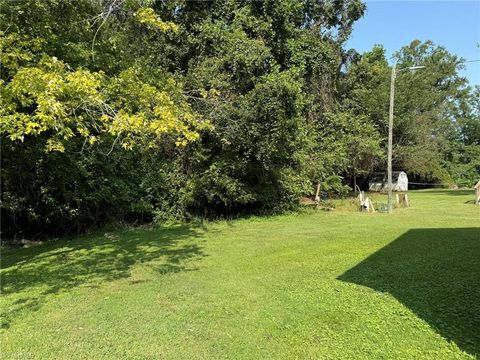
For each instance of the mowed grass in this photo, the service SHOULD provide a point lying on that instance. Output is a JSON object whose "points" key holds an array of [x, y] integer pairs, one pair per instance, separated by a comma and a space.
{"points": [[320, 285]]}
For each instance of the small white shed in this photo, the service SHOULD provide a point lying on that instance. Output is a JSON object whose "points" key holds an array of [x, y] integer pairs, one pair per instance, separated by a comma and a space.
{"points": [[378, 181], [402, 182]]}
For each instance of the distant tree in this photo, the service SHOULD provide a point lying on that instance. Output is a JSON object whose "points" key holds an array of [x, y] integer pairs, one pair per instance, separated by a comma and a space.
{"points": [[428, 104]]}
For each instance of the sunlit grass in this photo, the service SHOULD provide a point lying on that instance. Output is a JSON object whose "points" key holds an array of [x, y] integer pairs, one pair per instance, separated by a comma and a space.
{"points": [[328, 285]]}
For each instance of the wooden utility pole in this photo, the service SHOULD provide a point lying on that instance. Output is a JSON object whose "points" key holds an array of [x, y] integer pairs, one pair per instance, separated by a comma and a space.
{"points": [[390, 129], [477, 193], [390, 139], [317, 194]]}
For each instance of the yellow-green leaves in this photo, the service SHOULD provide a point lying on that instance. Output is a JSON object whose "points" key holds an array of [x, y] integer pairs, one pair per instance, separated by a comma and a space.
{"points": [[46, 98], [66, 103], [16, 49], [149, 17], [147, 113], [54, 145]]}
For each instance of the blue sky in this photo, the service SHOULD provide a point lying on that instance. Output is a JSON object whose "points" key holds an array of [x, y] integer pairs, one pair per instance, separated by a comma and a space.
{"points": [[452, 24]]}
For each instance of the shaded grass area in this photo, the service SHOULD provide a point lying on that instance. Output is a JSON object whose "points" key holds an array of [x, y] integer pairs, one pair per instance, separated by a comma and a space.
{"points": [[30, 274], [435, 273], [328, 285]]}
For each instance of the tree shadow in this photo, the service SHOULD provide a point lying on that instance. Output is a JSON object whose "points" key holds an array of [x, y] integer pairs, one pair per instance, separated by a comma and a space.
{"points": [[29, 275], [452, 192], [436, 274]]}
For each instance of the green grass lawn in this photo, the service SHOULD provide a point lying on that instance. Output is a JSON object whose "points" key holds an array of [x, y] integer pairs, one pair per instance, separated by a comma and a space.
{"points": [[320, 285]]}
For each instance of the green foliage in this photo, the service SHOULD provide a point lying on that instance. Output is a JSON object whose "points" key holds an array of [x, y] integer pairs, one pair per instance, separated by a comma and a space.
{"points": [[133, 110], [52, 98], [462, 156], [433, 115], [147, 16], [60, 192]]}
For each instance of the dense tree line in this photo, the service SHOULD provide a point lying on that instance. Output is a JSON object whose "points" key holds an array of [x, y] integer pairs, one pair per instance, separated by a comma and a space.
{"points": [[167, 110]]}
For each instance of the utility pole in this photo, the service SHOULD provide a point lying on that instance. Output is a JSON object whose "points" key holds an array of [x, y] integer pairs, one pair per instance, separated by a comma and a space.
{"points": [[390, 139], [390, 130]]}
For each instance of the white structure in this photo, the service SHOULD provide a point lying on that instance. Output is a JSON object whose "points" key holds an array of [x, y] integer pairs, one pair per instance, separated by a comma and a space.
{"points": [[378, 182], [402, 182]]}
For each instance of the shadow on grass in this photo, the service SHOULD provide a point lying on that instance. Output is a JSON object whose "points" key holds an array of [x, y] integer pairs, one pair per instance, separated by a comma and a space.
{"points": [[436, 274], [451, 192], [29, 275]]}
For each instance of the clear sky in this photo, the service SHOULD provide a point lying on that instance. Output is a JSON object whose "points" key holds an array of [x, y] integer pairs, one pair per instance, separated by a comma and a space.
{"points": [[452, 24]]}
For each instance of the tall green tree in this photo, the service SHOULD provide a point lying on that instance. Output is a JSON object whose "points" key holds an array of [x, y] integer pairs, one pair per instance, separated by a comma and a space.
{"points": [[428, 105], [125, 109]]}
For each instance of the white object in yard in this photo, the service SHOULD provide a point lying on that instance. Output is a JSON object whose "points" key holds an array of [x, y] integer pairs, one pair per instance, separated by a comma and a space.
{"points": [[402, 182], [378, 182], [365, 203]]}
